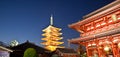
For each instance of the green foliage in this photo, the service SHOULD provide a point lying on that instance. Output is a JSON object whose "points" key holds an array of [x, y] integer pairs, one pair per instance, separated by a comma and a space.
{"points": [[30, 52]]}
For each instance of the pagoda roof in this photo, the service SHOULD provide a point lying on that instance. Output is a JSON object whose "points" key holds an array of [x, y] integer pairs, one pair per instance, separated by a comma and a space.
{"points": [[51, 26], [108, 9], [52, 38], [55, 34], [52, 43]]}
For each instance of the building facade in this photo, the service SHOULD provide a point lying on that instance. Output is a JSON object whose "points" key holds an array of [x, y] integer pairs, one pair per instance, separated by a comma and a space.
{"points": [[100, 31], [18, 51], [5, 52]]}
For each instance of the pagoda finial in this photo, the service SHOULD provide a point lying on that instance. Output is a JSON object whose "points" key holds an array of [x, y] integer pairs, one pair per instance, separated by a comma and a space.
{"points": [[51, 20]]}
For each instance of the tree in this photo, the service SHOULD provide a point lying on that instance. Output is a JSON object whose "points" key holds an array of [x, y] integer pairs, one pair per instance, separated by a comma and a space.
{"points": [[30, 52]]}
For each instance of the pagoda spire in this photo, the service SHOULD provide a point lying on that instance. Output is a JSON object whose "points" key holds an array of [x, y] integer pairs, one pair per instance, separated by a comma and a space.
{"points": [[51, 20]]}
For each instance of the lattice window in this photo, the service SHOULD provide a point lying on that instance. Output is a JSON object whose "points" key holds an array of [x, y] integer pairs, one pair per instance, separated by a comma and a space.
{"points": [[110, 20], [118, 15]]}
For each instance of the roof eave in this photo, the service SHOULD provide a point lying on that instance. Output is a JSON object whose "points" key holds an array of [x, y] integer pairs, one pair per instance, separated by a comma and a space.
{"points": [[93, 14], [9, 50]]}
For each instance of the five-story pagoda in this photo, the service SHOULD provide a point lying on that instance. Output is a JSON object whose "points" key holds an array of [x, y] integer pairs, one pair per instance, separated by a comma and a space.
{"points": [[52, 37]]}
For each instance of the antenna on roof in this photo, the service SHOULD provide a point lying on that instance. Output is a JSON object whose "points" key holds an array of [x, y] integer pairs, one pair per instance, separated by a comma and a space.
{"points": [[51, 20]]}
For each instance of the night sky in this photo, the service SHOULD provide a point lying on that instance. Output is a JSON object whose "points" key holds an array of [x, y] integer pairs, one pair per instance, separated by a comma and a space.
{"points": [[23, 20]]}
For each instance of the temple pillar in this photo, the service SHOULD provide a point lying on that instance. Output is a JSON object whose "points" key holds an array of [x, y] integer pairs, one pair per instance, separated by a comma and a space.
{"points": [[97, 45], [100, 49], [87, 50], [115, 50]]}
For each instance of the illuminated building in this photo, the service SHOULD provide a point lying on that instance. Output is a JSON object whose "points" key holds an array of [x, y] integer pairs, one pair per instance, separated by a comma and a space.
{"points": [[100, 31], [5, 52], [52, 37]]}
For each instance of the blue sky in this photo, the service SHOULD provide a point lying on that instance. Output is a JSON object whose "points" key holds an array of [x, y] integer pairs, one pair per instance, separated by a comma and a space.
{"points": [[23, 20]]}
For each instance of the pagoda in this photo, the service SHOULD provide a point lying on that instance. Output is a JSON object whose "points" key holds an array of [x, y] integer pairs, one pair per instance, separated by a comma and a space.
{"points": [[52, 37]]}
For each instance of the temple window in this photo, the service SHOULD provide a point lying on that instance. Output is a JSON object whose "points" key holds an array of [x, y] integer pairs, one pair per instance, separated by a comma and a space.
{"points": [[110, 20], [97, 25], [92, 27], [118, 16], [98, 22], [88, 27], [103, 23]]}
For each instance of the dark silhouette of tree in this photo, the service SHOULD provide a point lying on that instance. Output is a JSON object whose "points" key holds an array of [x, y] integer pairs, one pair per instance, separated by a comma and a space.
{"points": [[30, 52]]}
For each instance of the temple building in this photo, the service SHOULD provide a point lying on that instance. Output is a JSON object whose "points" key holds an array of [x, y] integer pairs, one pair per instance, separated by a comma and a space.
{"points": [[52, 37], [18, 51], [100, 31], [5, 52]]}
